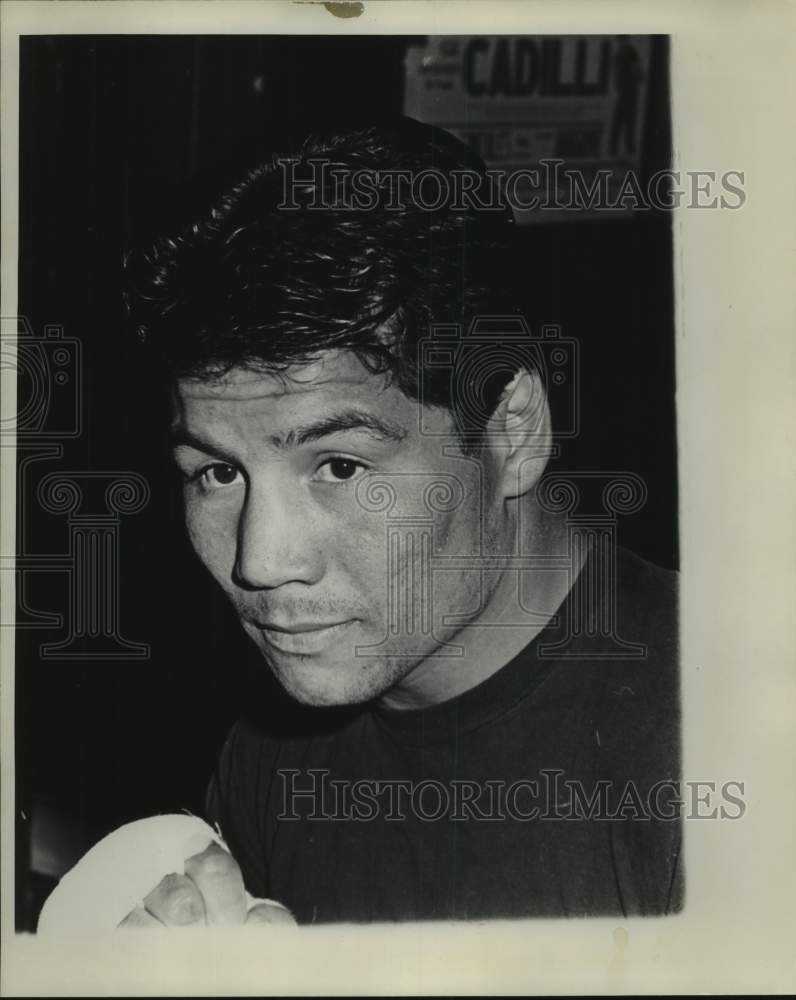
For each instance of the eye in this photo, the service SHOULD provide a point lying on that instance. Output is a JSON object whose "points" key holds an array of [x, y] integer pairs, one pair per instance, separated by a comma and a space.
{"points": [[218, 475], [339, 470]]}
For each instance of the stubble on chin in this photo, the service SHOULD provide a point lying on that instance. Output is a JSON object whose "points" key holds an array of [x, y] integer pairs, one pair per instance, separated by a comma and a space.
{"points": [[326, 686]]}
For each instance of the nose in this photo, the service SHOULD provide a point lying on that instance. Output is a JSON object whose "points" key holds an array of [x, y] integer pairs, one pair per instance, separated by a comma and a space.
{"points": [[275, 544]]}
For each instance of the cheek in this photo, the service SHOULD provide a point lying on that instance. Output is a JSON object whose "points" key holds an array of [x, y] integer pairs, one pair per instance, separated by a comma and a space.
{"points": [[212, 530], [459, 532], [359, 552]]}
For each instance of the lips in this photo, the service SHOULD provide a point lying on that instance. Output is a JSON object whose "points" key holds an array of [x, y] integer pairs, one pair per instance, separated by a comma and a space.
{"points": [[304, 638], [299, 628]]}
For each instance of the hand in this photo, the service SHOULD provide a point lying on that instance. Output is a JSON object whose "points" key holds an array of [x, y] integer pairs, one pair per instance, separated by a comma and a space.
{"points": [[211, 892]]}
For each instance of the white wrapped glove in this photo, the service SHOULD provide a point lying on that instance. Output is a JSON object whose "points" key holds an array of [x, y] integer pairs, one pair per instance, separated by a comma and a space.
{"points": [[160, 870]]}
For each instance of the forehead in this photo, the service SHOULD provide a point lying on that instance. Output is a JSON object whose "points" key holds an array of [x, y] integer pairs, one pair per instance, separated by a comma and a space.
{"points": [[332, 375]]}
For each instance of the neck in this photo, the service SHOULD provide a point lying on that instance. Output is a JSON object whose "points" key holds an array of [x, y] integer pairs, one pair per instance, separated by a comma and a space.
{"points": [[502, 628]]}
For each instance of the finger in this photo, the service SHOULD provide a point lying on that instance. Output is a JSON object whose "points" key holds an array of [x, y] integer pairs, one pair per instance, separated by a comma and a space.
{"points": [[140, 918], [176, 902], [217, 876], [265, 913]]}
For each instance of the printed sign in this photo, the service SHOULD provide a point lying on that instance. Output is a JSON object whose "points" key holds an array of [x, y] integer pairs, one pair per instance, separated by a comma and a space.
{"points": [[557, 111]]}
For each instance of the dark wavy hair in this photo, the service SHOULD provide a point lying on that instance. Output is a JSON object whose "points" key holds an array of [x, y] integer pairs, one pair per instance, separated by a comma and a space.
{"points": [[255, 285]]}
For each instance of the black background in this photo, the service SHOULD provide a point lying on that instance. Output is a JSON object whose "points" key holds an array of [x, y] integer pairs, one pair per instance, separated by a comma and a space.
{"points": [[120, 136]]}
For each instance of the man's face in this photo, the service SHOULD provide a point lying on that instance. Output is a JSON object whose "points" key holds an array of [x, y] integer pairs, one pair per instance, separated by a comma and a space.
{"points": [[328, 569]]}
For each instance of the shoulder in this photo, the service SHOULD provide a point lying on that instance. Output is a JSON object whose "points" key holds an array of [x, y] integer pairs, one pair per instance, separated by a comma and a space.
{"points": [[641, 692], [647, 600], [649, 579]]}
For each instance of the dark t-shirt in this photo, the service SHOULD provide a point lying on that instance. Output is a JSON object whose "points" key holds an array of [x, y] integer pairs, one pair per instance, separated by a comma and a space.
{"points": [[546, 790]]}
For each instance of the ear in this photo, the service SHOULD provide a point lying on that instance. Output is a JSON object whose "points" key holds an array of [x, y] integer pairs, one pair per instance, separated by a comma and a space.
{"points": [[520, 434]]}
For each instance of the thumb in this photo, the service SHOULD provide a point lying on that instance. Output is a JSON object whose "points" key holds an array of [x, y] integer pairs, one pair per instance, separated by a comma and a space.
{"points": [[268, 911]]}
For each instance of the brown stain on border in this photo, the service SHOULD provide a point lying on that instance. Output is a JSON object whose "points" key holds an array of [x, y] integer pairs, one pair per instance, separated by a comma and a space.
{"points": [[339, 8], [345, 8]]}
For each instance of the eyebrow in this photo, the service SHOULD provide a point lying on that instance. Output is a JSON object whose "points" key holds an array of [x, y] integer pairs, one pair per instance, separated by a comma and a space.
{"points": [[346, 420]]}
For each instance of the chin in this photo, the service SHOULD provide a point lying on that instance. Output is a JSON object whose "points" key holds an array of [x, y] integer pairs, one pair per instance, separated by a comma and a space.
{"points": [[327, 685]]}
